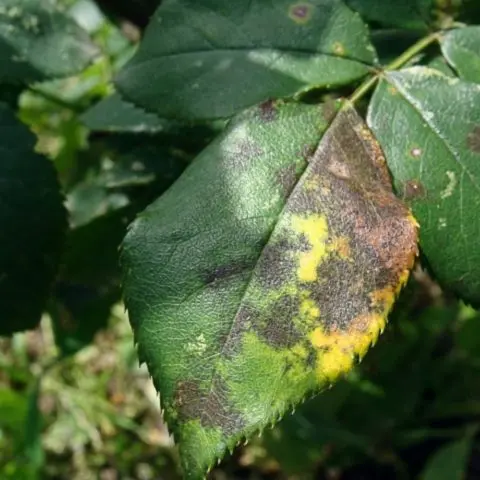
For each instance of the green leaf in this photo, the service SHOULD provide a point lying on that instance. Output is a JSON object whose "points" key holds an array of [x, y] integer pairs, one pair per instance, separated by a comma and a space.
{"points": [[263, 272], [449, 462], [410, 14], [37, 41], [33, 224], [429, 127], [210, 58], [461, 48], [114, 114]]}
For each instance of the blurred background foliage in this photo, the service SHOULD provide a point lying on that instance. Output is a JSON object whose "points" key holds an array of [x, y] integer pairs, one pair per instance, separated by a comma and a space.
{"points": [[73, 402]]}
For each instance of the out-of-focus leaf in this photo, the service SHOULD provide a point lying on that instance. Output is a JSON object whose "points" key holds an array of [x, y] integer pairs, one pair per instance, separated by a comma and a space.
{"points": [[114, 114], [210, 58], [461, 48], [413, 14], [33, 226], [449, 462], [13, 410], [133, 171], [137, 12], [390, 43], [80, 312], [257, 280], [37, 41], [429, 127]]}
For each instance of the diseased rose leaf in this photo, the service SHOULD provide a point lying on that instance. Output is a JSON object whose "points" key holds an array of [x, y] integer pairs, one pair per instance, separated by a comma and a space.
{"points": [[461, 48], [211, 58], [264, 286], [429, 127], [33, 223]]}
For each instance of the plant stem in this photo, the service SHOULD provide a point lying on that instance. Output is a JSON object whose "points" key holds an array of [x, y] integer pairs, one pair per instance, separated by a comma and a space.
{"points": [[364, 88], [57, 101], [399, 62], [414, 50]]}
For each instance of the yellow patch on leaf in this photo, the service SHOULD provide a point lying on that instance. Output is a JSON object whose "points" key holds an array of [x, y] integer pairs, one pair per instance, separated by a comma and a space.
{"points": [[315, 229]]}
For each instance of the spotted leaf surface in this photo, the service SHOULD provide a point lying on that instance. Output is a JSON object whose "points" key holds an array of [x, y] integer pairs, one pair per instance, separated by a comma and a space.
{"points": [[211, 58], [37, 41], [461, 48], [267, 284], [429, 127], [33, 226]]}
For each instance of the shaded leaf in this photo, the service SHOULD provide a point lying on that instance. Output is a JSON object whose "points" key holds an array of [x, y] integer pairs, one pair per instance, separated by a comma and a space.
{"points": [[449, 462], [413, 14], [256, 280], [114, 114], [135, 170], [429, 127], [33, 223], [37, 41], [439, 63], [210, 58], [80, 312], [461, 48]]}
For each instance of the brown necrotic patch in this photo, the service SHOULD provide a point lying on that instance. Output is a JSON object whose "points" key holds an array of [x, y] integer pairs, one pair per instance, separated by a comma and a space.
{"points": [[413, 190], [212, 407], [287, 178], [300, 12], [241, 153], [267, 111], [353, 192], [473, 140], [277, 327]]}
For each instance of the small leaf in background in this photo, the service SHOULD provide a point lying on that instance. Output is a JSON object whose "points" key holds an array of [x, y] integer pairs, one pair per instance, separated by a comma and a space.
{"points": [[408, 14], [210, 59], [33, 225], [429, 127], [449, 462], [114, 114], [37, 41], [265, 283], [461, 48]]}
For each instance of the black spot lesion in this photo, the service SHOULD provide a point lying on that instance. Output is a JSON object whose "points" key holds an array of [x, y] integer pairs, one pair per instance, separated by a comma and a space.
{"points": [[413, 190], [224, 272], [267, 111], [277, 327], [287, 178], [473, 140], [211, 407]]}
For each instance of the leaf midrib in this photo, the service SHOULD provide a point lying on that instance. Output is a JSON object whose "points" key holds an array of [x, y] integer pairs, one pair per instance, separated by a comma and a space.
{"points": [[237, 50]]}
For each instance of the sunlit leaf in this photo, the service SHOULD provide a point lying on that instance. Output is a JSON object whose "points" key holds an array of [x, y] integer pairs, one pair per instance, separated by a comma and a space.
{"points": [[264, 272]]}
